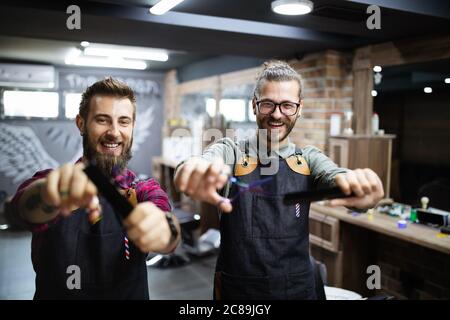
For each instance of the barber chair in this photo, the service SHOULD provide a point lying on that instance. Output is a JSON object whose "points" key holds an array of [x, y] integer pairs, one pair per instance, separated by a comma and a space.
{"points": [[188, 223]]}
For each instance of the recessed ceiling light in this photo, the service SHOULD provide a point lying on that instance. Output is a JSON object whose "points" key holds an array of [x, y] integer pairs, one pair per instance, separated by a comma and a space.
{"points": [[75, 57], [84, 44], [374, 93], [107, 50], [427, 90], [292, 7], [163, 6], [110, 63], [72, 55], [447, 80], [377, 68]]}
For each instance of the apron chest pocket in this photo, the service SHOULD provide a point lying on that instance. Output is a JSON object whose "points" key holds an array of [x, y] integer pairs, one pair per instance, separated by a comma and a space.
{"points": [[272, 219], [99, 257]]}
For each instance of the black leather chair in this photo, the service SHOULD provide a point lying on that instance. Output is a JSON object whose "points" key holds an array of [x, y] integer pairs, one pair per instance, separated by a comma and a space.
{"points": [[188, 223], [320, 278]]}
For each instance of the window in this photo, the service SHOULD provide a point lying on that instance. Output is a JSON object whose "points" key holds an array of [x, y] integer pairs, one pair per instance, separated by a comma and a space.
{"points": [[251, 115], [30, 104], [211, 107], [72, 104], [232, 109]]}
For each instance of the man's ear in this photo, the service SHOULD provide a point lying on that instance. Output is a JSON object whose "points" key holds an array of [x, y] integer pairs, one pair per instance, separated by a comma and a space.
{"points": [[80, 124], [254, 105], [299, 114]]}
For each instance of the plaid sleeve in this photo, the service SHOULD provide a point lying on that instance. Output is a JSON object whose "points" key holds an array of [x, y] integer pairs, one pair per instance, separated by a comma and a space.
{"points": [[15, 202], [150, 190]]}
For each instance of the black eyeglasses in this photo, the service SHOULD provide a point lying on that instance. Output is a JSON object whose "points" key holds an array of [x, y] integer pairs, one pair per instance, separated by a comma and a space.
{"points": [[287, 108]]}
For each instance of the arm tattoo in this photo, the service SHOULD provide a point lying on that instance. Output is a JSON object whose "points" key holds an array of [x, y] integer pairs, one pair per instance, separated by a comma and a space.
{"points": [[35, 201], [48, 209]]}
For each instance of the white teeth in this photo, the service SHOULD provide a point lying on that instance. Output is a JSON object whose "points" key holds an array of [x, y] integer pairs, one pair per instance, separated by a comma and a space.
{"points": [[275, 123], [111, 145]]}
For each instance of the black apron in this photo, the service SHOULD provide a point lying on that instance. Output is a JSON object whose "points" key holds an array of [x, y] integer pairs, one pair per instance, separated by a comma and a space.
{"points": [[100, 255], [264, 251]]}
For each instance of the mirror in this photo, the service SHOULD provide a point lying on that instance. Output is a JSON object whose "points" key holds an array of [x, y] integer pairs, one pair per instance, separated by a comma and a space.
{"points": [[412, 103]]}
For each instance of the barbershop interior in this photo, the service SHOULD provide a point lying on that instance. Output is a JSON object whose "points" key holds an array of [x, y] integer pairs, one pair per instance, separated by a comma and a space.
{"points": [[375, 85]]}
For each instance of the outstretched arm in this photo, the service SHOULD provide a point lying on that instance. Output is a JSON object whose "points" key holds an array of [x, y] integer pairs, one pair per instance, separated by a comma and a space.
{"points": [[60, 192]]}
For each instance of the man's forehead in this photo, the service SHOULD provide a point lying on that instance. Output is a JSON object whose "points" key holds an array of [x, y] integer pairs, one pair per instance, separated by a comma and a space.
{"points": [[111, 104], [288, 85], [283, 83]]}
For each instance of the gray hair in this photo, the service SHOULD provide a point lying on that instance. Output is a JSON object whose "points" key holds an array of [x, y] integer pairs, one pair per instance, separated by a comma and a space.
{"points": [[276, 70]]}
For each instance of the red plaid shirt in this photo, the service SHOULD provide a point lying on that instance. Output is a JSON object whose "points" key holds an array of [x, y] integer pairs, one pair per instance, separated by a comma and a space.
{"points": [[146, 190]]}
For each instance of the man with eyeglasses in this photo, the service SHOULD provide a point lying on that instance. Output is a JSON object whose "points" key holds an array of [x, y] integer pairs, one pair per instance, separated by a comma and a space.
{"points": [[264, 251]]}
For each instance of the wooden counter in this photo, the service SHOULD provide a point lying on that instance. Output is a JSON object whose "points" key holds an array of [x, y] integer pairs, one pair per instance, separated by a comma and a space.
{"points": [[414, 262], [385, 224]]}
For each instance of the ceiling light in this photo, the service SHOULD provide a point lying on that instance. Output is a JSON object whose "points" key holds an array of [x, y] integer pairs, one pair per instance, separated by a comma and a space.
{"points": [[377, 69], [374, 93], [107, 62], [447, 80], [427, 90], [126, 52], [163, 6], [72, 55], [292, 7], [84, 44]]}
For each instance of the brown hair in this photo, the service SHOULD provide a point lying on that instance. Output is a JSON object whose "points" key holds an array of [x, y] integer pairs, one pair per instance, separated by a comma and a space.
{"points": [[106, 87], [276, 70]]}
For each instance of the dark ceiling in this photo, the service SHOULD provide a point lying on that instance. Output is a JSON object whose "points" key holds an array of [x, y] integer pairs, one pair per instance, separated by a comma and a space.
{"points": [[206, 28], [414, 77]]}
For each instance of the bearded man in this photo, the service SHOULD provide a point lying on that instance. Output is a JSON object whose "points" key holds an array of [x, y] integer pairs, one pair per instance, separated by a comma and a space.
{"points": [[81, 248]]}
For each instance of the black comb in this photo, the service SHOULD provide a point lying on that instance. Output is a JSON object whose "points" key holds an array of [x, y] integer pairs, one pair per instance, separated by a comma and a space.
{"points": [[314, 195], [109, 191]]}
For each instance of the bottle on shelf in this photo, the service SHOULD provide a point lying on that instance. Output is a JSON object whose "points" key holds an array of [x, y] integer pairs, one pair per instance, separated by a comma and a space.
{"points": [[375, 123]]}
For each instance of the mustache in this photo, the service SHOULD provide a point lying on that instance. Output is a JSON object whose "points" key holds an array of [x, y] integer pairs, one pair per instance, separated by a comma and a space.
{"points": [[110, 140], [108, 164], [277, 120]]}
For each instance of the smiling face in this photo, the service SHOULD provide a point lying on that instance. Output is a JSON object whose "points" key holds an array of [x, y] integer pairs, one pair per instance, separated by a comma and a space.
{"points": [[277, 124], [108, 132]]}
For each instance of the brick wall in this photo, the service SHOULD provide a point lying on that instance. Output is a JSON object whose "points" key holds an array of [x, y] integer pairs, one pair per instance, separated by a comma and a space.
{"points": [[328, 88], [171, 104]]}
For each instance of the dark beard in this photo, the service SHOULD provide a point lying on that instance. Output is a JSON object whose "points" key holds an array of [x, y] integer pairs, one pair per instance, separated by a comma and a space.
{"points": [[290, 126], [109, 165]]}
